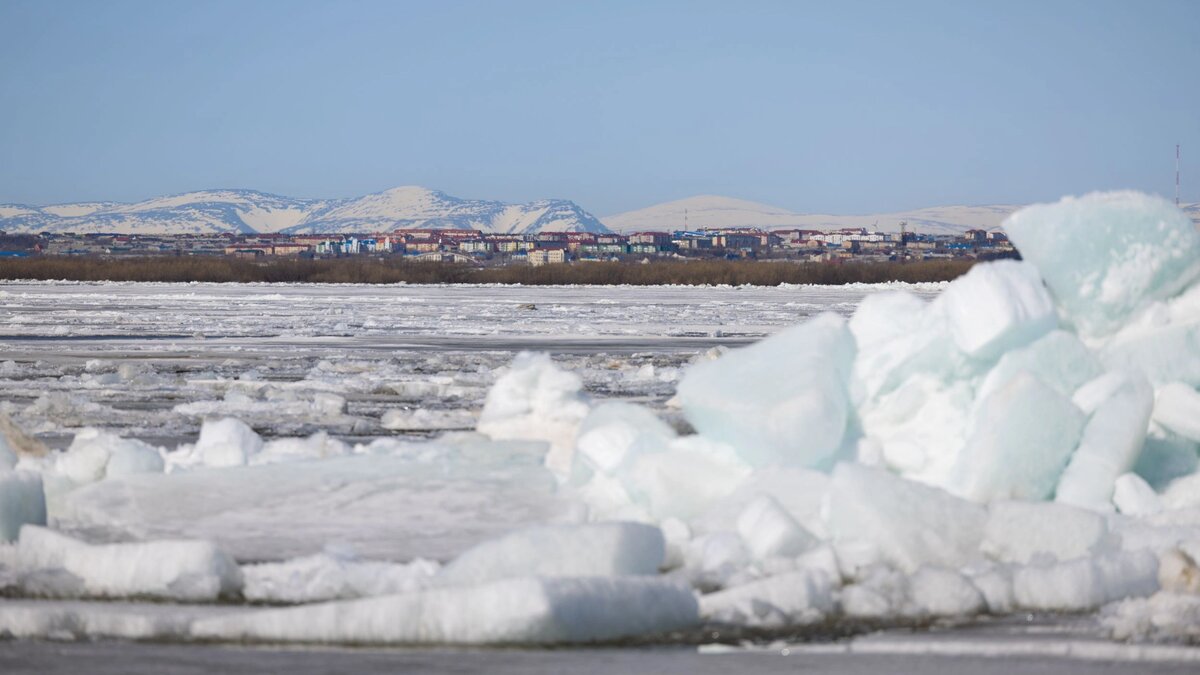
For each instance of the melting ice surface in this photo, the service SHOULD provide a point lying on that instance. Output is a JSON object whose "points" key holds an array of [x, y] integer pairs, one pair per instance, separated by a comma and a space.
{"points": [[1023, 440]]}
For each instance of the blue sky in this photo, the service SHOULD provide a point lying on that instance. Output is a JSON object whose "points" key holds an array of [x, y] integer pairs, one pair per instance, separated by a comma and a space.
{"points": [[843, 107]]}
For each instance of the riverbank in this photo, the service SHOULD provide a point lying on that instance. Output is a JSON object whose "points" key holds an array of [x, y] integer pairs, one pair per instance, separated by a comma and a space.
{"points": [[386, 271]]}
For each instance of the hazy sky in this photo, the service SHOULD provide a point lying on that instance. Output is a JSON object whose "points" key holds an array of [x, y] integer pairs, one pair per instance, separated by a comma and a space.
{"points": [[844, 107]]}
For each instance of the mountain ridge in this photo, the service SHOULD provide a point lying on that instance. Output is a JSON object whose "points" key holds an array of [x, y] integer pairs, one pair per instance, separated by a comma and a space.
{"points": [[246, 211]]}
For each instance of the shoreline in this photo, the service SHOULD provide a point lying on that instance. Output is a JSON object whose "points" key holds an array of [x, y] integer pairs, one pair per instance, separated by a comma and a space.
{"points": [[699, 273]]}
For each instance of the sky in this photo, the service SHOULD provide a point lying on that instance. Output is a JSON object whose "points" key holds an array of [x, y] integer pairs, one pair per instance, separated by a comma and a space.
{"points": [[828, 107]]}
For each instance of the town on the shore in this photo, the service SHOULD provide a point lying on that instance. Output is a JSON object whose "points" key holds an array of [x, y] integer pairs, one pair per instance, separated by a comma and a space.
{"points": [[475, 247]]}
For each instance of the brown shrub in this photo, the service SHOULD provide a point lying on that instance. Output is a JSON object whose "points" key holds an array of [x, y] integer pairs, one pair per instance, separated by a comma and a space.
{"points": [[388, 271]]}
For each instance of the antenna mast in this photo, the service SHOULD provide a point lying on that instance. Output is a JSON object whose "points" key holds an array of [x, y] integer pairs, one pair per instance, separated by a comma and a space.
{"points": [[1176, 174]]}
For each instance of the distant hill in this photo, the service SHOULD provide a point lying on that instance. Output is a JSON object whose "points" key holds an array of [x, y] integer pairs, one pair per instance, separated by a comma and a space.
{"points": [[249, 212], [716, 211]]}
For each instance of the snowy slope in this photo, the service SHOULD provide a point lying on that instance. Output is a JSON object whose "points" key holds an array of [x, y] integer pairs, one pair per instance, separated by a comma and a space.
{"points": [[78, 209], [702, 211], [204, 212], [418, 207], [17, 211], [248, 211], [716, 211], [22, 218]]}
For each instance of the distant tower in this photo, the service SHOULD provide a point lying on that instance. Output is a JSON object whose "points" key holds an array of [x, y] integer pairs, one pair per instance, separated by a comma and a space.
{"points": [[1176, 174], [686, 229]]}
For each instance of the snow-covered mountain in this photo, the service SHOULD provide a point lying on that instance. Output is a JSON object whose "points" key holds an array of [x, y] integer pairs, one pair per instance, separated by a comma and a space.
{"points": [[418, 207], [206, 212], [248, 211], [715, 211]]}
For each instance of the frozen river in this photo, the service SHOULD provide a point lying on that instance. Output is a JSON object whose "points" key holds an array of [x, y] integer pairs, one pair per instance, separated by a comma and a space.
{"points": [[1004, 649], [151, 360], [209, 318], [400, 365]]}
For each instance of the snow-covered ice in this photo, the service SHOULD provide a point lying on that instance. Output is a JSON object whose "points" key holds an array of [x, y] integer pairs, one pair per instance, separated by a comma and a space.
{"points": [[1107, 255], [227, 442], [995, 308], [586, 550], [523, 611], [1162, 617], [536, 400], [54, 564], [390, 500], [904, 523], [1110, 443], [618, 462], [1011, 452], [1177, 407], [788, 599], [333, 575], [95, 454], [1086, 583], [1021, 532], [769, 530], [22, 502], [741, 400]]}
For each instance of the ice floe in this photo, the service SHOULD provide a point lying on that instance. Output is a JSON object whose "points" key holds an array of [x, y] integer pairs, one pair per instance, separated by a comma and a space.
{"points": [[22, 502], [51, 563], [523, 611], [586, 550]]}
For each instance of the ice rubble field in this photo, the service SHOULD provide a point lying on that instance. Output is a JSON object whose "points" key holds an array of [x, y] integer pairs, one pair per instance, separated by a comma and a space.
{"points": [[1026, 441], [154, 360]]}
